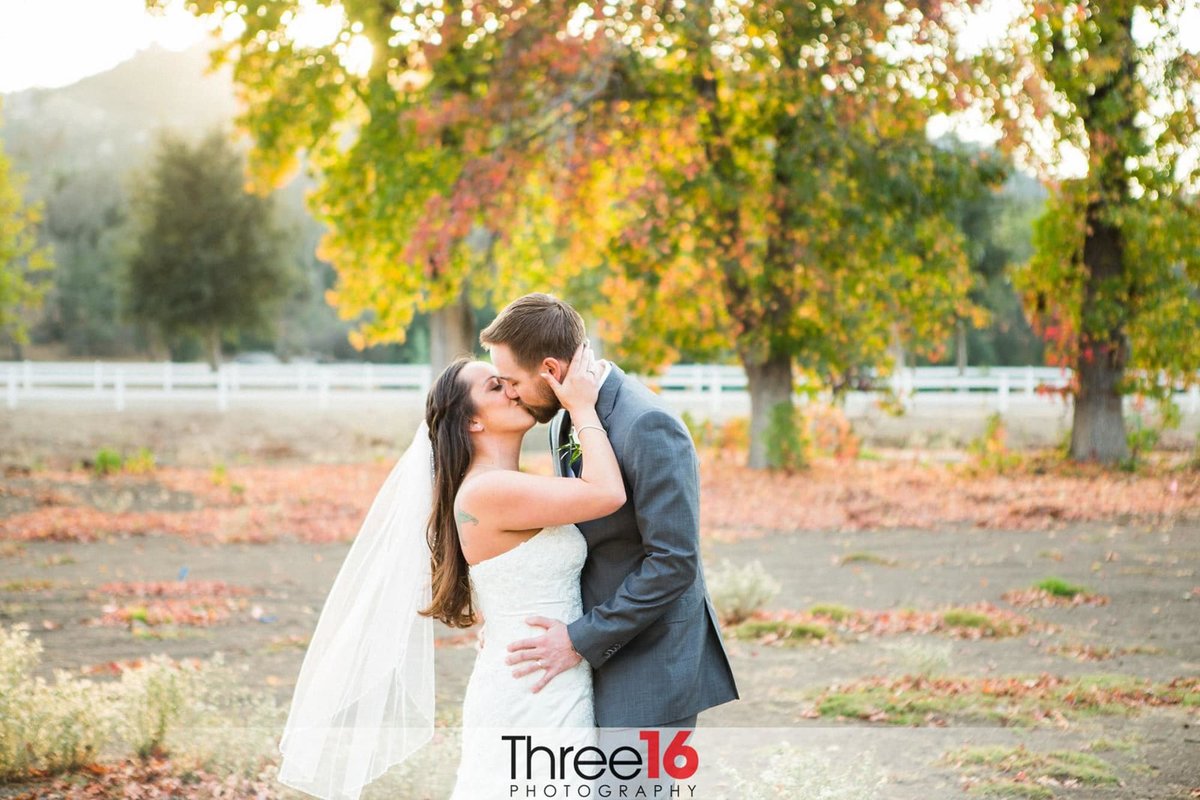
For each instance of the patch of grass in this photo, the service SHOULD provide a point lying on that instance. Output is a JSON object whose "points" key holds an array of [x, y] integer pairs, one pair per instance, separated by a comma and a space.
{"points": [[1057, 765], [58, 559], [1026, 791], [291, 642], [1127, 744], [1060, 588], [835, 612], [27, 585], [966, 618], [1013, 700], [877, 704], [781, 630], [868, 558]]}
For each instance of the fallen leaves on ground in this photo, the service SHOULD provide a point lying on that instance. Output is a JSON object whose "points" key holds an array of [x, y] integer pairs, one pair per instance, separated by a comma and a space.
{"points": [[152, 779], [1040, 598], [738, 502], [328, 502], [977, 621]]}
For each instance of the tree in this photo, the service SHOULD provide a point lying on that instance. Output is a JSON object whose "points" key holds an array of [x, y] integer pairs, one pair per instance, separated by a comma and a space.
{"points": [[87, 222], [209, 258], [769, 187], [1116, 273], [423, 126], [20, 255]]}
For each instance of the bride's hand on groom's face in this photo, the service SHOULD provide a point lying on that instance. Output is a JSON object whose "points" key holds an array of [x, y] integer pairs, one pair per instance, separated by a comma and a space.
{"points": [[551, 652], [580, 387]]}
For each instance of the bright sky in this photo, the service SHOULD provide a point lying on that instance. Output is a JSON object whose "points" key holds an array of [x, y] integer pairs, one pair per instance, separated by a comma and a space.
{"points": [[51, 43], [57, 42]]}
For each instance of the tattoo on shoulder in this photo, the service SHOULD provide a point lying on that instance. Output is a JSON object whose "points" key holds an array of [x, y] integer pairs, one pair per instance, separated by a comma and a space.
{"points": [[463, 517]]}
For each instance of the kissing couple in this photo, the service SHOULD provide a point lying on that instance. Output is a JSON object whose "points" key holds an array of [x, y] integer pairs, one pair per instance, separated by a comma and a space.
{"points": [[597, 620]]}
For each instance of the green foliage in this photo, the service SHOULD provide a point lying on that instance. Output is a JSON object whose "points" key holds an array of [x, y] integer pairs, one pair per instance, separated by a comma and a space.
{"points": [[107, 461], [1143, 434], [783, 630], [210, 258], [141, 462], [21, 257], [46, 727], [786, 438], [1060, 588], [990, 451], [201, 713], [835, 612], [1113, 281]]}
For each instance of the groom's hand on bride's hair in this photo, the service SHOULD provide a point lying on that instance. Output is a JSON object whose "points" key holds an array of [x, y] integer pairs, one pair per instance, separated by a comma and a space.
{"points": [[552, 652]]}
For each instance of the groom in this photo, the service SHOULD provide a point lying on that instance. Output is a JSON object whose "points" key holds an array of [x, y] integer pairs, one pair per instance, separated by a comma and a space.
{"points": [[648, 629]]}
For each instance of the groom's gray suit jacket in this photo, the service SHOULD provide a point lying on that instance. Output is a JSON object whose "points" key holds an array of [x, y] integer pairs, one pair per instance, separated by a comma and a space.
{"points": [[648, 629]]}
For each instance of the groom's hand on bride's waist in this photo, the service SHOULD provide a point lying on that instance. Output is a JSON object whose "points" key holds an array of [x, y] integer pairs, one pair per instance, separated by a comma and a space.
{"points": [[550, 653]]}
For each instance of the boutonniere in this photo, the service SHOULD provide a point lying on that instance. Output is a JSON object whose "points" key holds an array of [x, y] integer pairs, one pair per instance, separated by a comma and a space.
{"points": [[571, 446]]}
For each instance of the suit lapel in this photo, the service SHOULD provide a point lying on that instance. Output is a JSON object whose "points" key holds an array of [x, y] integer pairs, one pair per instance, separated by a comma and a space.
{"points": [[562, 454]]}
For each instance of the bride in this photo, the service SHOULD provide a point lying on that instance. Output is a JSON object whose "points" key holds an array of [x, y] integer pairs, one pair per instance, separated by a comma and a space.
{"points": [[472, 534]]}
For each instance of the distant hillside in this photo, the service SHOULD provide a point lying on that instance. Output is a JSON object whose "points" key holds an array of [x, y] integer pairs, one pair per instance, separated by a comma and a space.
{"points": [[108, 121]]}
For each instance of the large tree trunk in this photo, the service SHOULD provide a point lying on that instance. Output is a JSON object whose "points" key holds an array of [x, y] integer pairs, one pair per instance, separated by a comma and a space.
{"points": [[960, 345], [451, 333], [214, 349], [1098, 430], [770, 385]]}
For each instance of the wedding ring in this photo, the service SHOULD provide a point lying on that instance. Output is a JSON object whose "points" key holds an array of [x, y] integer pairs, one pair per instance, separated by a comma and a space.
{"points": [[540, 664]]}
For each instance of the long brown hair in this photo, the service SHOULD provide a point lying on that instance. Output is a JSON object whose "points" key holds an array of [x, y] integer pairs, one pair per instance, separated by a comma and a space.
{"points": [[448, 410]]}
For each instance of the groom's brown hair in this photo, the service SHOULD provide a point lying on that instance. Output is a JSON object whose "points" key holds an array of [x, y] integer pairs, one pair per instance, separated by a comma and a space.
{"points": [[534, 327]]}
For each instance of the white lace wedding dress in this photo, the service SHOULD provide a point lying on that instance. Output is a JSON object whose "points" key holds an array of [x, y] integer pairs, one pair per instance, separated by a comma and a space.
{"points": [[539, 577]]}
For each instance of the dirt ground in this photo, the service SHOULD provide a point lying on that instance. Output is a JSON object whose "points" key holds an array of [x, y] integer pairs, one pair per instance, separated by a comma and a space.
{"points": [[1147, 568]]}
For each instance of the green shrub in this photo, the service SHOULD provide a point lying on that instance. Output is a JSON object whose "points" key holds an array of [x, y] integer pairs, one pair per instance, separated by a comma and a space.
{"points": [[140, 463], [198, 712], [107, 462], [46, 727], [738, 592], [990, 451], [787, 443]]}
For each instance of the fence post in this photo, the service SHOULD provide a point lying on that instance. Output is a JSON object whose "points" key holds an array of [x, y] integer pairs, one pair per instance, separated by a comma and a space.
{"points": [[714, 403], [1194, 397], [1002, 400], [1030, 388], [168, 377], [12, 387], [222, 389], [27, 366], [323, 389], [369, 376], [119, 387], [98, 378]]}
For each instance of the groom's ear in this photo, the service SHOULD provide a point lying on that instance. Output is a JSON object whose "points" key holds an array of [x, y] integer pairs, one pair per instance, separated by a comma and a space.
{"points": [[555, 367]]}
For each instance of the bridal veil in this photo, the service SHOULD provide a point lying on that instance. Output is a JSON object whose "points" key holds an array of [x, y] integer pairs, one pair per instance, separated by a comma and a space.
{"points": [[364, 696]]}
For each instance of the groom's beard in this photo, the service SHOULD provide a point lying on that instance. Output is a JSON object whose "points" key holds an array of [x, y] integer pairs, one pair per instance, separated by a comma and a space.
{"points": [[546, 406]]}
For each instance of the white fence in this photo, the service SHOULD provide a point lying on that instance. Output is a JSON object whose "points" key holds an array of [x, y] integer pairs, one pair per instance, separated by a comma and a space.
{"points": [[714, 386]]}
